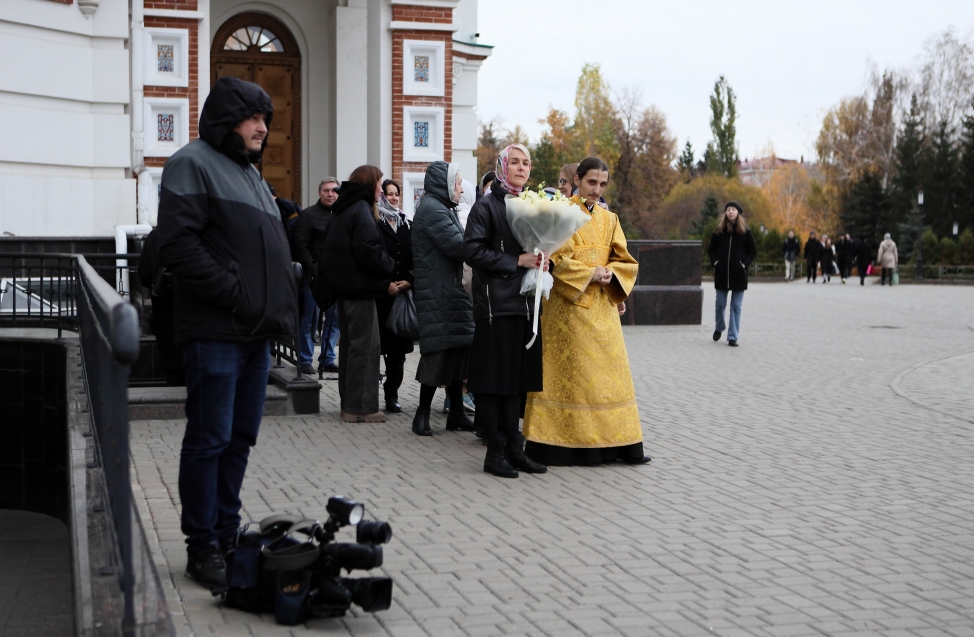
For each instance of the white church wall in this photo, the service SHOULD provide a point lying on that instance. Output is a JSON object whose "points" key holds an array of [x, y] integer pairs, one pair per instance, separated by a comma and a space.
{"points": [[65, 156], [351, 86]]}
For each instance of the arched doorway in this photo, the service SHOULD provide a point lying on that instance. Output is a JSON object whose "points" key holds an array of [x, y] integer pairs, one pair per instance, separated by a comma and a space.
{"points": [[259, 48]]}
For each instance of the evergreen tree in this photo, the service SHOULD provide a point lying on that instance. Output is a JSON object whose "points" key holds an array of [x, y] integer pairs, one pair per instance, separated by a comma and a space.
{"points": [[723, 123], [708, 215], [940, 181], [965, 178], [685, 164], [908, 158], [866, 209], [911, 229]]}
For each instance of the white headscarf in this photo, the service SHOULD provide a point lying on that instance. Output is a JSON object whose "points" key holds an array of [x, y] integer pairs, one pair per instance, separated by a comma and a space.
{"points": [[467, 198]]}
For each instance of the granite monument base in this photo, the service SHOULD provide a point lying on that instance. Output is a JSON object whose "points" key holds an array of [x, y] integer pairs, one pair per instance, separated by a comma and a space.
{"points": [[667, 290]]}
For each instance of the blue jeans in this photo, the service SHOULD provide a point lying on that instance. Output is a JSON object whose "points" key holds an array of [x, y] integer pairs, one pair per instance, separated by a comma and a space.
{"points": [[737, 299], [306, 346], [329, 337], [225, 386]]}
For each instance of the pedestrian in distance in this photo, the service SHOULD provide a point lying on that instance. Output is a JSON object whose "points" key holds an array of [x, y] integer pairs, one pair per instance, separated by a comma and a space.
{"points": [[396, 235], [307, 245], [587, 413], [358, 271], [812, 250], [826, 257], [502, 370], [845, 251], [887, 258], [791, 255], [443, 308], [221, 236], [864, 256], [732, 250]]}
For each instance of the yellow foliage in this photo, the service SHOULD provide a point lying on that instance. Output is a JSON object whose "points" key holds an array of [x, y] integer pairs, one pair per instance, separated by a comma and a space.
{"points": [[682, 205]]}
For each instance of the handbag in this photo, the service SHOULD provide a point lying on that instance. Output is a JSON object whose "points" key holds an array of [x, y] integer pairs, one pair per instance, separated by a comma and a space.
{"points": [[402, 320], [894, 278], [869, 270]]}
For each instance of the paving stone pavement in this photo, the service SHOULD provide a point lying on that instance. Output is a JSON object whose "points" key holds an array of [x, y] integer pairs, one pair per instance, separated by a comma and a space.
{"points": [[815, 480]]}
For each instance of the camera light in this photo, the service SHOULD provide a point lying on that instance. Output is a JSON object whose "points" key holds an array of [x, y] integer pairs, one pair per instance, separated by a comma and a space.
{"points": [[346, 510]]}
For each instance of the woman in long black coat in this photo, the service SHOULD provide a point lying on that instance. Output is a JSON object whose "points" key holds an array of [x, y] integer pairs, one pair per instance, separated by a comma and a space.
{"points": [[395, 233], [442, 306], [864, 256], [732, 250], [826, 256]]}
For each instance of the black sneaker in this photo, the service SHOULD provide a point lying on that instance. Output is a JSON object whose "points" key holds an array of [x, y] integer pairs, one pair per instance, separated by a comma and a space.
{"points": [[206, 567], [716, 335], [732, 343]]}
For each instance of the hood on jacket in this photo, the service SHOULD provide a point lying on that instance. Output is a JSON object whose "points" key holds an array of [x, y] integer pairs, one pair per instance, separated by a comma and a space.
{"points": [[435, 183], [231, 101], [351, 193]]}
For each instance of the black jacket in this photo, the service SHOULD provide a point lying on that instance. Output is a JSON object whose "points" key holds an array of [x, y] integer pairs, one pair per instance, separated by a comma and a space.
{"points": [[399, 246], [489, 247], [844, 249], [864, 255], [442, 305], [812, 248], [354, 261], [308, 241], [220, 232], [290, 213], [791, 248], [826, 257], [731, 254]]}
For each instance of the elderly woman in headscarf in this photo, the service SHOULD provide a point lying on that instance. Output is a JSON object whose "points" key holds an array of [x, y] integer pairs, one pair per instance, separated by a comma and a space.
{"points": [[502, 369], [442, 306], [395, 234]]}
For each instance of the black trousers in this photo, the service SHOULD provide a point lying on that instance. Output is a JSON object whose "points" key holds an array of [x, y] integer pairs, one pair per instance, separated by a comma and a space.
{"points": [[358, 356], [812, 267], [882, 276], [394, 374], [497, 415]]}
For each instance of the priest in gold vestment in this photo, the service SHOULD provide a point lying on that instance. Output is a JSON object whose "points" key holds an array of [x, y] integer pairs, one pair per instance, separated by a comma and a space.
{"points": [[587, 412]]}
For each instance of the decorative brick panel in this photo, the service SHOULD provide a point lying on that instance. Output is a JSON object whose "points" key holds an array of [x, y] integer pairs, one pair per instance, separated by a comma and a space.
{"points": [[419, 14], [190, 92]]}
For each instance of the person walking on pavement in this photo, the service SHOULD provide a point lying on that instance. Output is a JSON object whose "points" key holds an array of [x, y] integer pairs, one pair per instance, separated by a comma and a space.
{"points": [[826, 255], [864, 256], [234, 289], [887, 258], [845, 253], [443, 308], [358, 271], [732, 250], [791, 255], [502, 371], [396, 235], [308, 243], [812, 249]]}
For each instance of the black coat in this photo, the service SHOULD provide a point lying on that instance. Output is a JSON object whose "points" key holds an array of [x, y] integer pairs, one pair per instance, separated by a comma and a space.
{"points": [[790, 248], [489, 247], [308, 240], [354, 261], [864, 256], [399, 246], [220, 232], [442, 305], [812, 249], [731, 254], [825, 257]]}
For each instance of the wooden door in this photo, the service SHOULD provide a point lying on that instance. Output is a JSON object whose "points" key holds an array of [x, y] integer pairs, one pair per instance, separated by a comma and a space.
{"points": [[257, 48]]}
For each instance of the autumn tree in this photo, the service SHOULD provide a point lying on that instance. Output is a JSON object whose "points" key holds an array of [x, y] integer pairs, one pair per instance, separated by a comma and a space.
{"points": [[946, 80], [722, 150], [489, 144], [682, 205], [594, 116]]}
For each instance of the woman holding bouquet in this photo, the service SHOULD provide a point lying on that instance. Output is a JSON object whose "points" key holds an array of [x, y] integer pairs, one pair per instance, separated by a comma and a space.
{"points": [[501, 369], [587, 412]]}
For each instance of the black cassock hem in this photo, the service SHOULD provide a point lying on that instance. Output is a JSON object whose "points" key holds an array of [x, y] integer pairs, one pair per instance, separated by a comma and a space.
{"points": [[555, 456]]}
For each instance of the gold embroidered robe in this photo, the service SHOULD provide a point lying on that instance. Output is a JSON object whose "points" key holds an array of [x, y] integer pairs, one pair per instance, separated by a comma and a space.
{"points": [[588, 400]]}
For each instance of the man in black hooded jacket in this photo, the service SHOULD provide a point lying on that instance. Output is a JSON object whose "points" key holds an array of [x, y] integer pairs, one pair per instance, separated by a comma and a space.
{"points": [[220, 234]]}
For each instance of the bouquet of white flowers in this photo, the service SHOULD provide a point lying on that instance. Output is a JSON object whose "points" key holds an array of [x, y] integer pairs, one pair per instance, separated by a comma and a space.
{"points": [[542, 222]]}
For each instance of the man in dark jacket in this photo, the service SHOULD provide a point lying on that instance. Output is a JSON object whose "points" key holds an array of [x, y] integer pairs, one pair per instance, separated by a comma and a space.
{"points": [[812, 252], [864, 257], [307, 245], [791, 255], [221, 236], [845, 253]]}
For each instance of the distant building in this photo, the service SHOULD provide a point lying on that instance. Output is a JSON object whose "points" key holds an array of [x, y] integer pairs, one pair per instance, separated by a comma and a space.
{"points": [[95, 95], [757, 172]]}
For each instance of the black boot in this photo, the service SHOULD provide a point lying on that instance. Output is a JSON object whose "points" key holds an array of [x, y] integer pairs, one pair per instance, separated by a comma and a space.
{"points": [[488, 414], [458, 420], [514, 454], [421, 422], [392, 404], [495, 463], [205, 565]]}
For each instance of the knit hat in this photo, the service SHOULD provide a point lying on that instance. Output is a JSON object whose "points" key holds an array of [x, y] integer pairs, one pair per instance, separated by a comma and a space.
{"points": [[734, 204]]}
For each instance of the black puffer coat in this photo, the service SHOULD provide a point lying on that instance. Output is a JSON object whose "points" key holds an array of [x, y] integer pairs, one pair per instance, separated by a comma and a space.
{"points": [[442, 305], [731, 254], [489, 247], [354, 261]]}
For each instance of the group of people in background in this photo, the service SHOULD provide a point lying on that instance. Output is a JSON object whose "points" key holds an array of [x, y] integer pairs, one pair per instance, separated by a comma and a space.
{"points": [[838, 257]]}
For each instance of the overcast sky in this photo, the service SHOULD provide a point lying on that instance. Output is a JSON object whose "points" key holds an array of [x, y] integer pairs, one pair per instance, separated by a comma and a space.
{"points": [[787, 61]]}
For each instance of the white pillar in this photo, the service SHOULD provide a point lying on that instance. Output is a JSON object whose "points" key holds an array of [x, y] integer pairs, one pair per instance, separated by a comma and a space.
{"points": [[351, 84]]}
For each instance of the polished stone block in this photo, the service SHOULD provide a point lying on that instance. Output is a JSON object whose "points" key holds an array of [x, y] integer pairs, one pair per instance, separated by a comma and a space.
{"points": [[664, 305], [668, 262]]}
